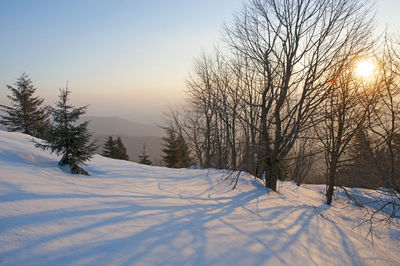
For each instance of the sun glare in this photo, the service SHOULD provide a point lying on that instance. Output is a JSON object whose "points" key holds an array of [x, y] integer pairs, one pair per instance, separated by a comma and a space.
{"points": [[365, 69]]}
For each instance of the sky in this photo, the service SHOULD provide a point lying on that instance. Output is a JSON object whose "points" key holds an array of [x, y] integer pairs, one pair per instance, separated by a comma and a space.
{"points": [[123, 58]]}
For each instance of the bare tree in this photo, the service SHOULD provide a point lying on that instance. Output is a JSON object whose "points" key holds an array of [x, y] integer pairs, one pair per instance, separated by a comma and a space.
{"points": [[377, 143], [384, 120], [301, 158], [384, 127], [292, 45], [341, 116], [214, 93], [201, 97]]}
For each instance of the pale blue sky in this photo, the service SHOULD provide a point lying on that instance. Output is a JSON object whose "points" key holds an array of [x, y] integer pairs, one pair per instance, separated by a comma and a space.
{"points": [[124, 58]]}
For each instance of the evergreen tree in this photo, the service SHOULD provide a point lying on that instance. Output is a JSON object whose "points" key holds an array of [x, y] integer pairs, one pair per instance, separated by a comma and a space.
{"points": [[175, 149], [115, 149], [121, 152], [26, 113], [361, 151], [68, 139], [183, 152], [143, 157], [170, 148], [359, 169], [109, 148]]}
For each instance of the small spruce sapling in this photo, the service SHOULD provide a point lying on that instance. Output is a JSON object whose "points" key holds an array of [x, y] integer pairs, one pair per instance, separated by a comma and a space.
{"points": [[68, 138]]}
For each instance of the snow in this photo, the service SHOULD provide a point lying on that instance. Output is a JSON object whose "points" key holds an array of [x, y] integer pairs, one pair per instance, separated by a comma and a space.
{"points": [[131, 214]]}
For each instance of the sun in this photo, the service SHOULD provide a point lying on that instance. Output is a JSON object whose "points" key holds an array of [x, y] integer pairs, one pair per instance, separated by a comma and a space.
{"points": [[364, 69]]}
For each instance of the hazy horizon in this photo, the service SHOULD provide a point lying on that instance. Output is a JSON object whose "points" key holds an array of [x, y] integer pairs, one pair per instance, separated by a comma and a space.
{"points": [[126, 59]]}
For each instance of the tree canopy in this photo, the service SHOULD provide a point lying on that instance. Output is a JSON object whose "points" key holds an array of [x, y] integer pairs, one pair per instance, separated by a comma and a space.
{"points": [[26, 113], [69, 138]]}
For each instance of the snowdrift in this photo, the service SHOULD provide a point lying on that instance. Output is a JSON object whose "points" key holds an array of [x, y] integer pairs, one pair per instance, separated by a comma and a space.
{"points": [[131, 214]]}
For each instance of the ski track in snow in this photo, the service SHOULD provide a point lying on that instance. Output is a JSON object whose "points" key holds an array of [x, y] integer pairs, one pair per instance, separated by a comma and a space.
{"points": [[131, 214]]}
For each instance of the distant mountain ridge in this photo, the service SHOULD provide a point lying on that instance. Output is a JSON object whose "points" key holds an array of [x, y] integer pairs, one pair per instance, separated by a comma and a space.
{"points": [[101, 125], [132, 134]]}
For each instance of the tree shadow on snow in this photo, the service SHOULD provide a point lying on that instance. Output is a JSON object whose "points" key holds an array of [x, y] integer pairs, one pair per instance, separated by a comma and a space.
{"points": [[201, 228]]}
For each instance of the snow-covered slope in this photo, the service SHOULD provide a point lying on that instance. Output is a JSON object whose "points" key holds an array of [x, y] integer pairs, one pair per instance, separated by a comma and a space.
{"points": [[131, 214]]}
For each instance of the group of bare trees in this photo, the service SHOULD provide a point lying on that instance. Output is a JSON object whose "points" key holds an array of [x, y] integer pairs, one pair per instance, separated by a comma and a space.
{"points": [[285, 91]]}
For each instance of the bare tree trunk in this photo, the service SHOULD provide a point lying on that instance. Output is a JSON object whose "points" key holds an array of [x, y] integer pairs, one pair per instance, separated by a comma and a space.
{"points": [[331, 180]]}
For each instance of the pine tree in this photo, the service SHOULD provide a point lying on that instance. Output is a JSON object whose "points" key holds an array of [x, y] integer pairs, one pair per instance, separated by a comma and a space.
{"points": [[26, 113], [360, 170], [121, 150], [109, 148], [68, 139], [143, 157], [170, 148], [183, 152], [175, 149], [115, 149]]}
